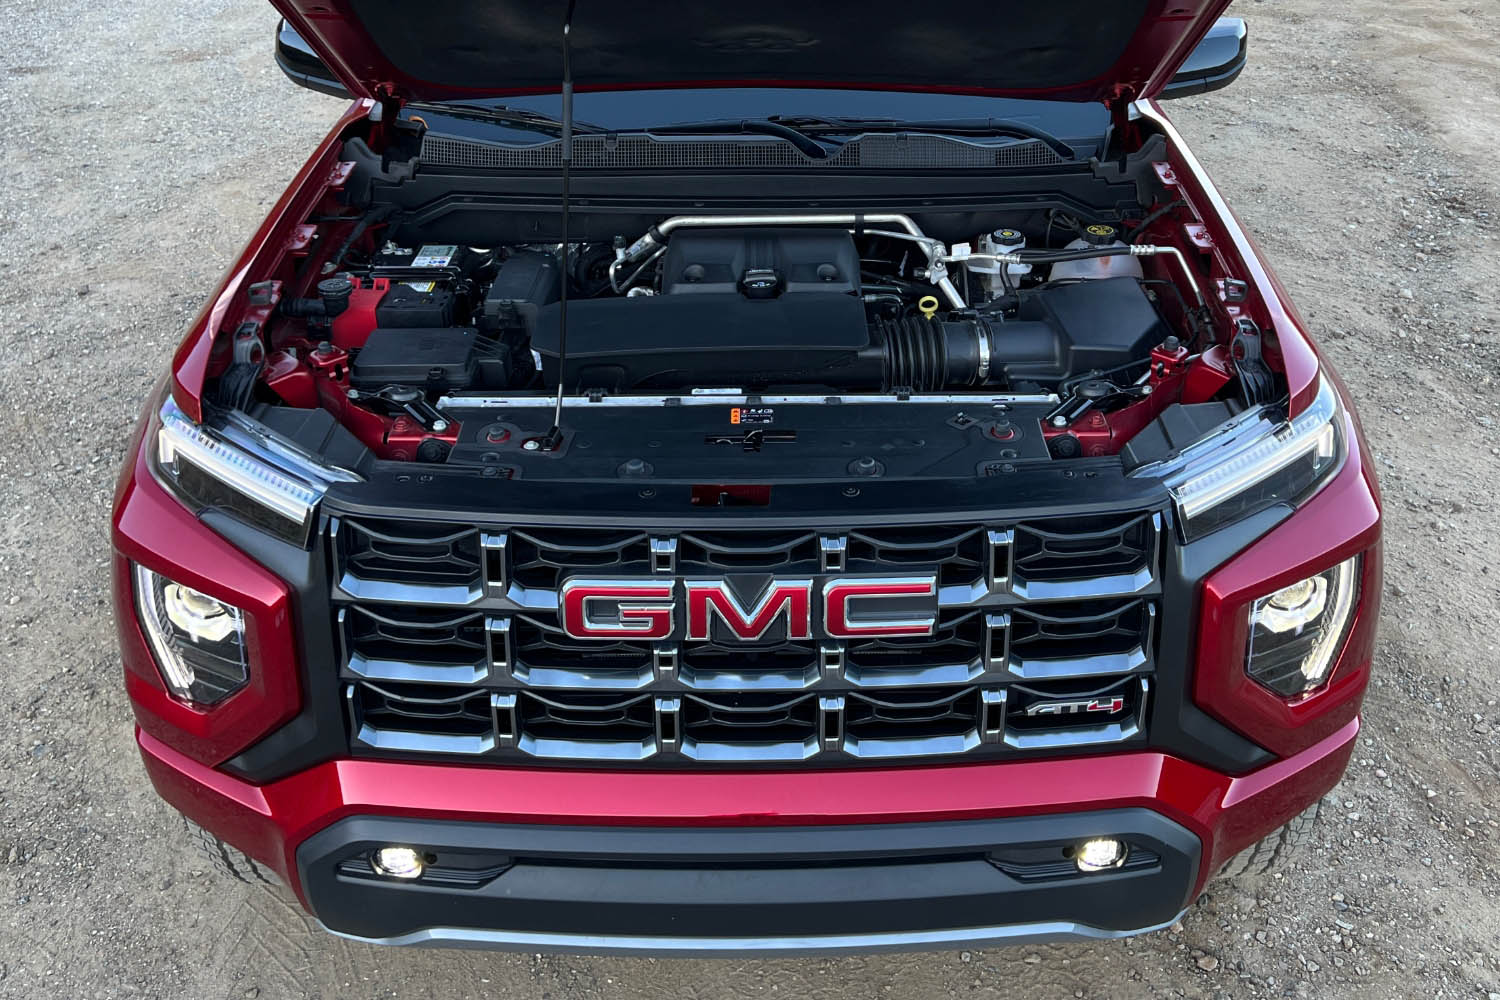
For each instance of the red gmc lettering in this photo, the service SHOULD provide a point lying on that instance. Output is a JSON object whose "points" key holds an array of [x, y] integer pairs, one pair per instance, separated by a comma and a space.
{"points": [[642, 610], [645, 609], [839, 595], [706, 598]]}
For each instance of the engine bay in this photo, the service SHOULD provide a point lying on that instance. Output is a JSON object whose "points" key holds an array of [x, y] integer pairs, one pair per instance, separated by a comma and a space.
{"points": [[741, 347]]}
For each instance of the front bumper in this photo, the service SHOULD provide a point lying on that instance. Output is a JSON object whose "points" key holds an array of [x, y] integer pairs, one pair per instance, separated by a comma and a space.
{"points": [[745, 890], [716, 863]]}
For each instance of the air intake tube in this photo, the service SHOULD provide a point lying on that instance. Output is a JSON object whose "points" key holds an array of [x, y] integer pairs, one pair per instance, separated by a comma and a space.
{"points": [[926, 355]]}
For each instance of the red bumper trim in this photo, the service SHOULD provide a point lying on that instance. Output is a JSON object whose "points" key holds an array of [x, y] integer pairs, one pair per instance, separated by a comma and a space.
{"points": [[270, 821]]}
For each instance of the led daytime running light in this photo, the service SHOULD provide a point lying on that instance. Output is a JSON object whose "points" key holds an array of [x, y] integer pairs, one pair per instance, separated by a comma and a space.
{"points": [[1248, 462], [179, 439]]}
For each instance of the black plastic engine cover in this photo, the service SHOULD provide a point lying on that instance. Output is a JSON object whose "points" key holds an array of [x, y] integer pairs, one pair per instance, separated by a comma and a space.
{"points": [[815, 339], [669, 342], [702, 261]]}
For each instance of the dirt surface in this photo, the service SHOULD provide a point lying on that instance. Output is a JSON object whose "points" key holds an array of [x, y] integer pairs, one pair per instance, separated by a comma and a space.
{"points": [[144, 142]]}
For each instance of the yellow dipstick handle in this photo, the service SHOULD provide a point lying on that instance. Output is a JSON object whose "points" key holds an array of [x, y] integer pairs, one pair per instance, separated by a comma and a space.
{"points": [[928, 306]]}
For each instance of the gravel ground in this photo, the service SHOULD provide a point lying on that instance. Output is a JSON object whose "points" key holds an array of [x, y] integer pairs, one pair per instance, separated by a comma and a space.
{"points": [[1356, 147]]}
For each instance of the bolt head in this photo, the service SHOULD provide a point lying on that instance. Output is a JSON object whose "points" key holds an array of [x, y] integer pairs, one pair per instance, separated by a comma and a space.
{"points": [[531, 445]]}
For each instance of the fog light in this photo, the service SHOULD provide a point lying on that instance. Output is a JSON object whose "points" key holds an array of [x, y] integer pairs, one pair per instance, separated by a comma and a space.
{"points": [[1099, 854], [397, 862]]}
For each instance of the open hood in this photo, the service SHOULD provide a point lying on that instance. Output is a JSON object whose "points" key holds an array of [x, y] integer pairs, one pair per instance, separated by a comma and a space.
{"points": [[1074, 50]]}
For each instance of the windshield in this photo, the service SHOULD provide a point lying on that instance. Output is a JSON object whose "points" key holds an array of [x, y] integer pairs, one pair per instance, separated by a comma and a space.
{"points": [[1080, 124]]}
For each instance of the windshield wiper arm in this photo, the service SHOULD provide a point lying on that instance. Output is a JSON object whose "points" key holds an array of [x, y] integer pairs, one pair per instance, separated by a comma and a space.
{"points": [[804, 141], [534, 121], [821, 126]]}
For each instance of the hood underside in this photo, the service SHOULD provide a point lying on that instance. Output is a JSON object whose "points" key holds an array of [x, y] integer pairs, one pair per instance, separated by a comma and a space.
{"points": [[1076, 50]]}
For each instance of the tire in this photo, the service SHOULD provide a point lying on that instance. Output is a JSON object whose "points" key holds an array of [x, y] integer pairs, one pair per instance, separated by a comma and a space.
{"points": [[1275, 851], [228, 861]]}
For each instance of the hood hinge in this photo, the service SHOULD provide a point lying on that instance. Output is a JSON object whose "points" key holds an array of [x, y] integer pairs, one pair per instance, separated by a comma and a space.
{"points": [[387, 103]]}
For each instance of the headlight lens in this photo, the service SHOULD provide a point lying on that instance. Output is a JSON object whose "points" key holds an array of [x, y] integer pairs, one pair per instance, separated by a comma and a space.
{"points": [[204, 470], [1254, 465], [198, 640], [1297, 632]]}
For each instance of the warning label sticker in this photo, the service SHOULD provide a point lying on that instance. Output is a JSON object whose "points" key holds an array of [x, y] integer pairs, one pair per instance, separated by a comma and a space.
{"points": [[751, 415], [434, 256]]}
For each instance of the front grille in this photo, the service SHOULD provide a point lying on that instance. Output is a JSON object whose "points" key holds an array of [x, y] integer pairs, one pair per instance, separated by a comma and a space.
{"points": [[1041, 638]]}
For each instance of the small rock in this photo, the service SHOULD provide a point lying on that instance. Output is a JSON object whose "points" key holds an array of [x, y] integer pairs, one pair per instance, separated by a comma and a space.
{"points": [[964, 956], [1406, 293], [1208, 963]]}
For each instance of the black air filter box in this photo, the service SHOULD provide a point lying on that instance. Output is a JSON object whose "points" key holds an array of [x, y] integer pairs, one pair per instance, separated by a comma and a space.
{"points": [[1093, 325]]}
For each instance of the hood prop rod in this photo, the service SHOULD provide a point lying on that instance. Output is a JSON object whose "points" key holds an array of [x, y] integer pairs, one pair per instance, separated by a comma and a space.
{"points": [[554, 438]]}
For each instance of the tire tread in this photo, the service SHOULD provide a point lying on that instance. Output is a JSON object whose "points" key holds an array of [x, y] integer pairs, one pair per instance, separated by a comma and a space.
{"points": [[1273, 852], [226, 859]]}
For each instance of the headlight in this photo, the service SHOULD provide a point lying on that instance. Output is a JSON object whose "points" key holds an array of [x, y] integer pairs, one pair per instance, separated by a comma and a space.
{"points": [[1253, 463], [1297, 632], [205, 468], [198, 640]]}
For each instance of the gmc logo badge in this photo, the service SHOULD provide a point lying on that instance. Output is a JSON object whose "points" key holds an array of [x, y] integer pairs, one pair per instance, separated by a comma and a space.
{"points": [[836, 608]]}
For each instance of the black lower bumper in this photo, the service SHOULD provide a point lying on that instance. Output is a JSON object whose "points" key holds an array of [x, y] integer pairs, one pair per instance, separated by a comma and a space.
{"points": [[749, 890]]}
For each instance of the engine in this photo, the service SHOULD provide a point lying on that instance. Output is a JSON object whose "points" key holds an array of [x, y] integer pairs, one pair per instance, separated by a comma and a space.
{"points": [[768, 308], [396, 339]]}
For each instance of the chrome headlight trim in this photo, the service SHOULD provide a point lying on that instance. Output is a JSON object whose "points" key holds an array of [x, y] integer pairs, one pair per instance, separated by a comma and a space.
{"points": [[273, 476], [1250, 450]]}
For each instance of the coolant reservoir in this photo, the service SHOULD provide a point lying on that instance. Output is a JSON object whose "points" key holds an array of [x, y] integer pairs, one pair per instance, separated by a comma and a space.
{"points": [[1123, 266]]}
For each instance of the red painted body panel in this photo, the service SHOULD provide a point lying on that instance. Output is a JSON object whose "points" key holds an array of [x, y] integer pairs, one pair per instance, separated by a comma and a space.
{"points": [[152, 528], [1341, 521], [1268, 304], [270, 821], [196, 354]]}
